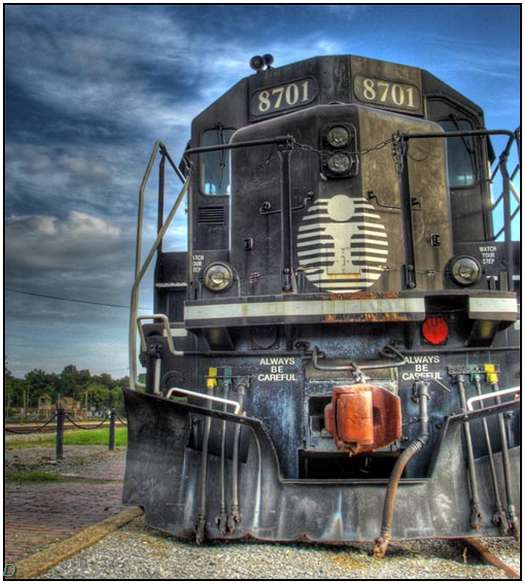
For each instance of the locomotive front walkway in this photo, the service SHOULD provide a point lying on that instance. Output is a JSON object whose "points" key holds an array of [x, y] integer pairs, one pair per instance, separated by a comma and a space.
{"points": [[39, 513]]}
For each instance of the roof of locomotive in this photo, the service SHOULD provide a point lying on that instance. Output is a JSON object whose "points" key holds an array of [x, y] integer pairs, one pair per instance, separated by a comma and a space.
{"points": [[431, 84]]}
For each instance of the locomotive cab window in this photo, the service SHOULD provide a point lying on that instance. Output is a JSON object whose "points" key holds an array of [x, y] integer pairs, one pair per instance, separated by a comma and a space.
{"points": [[215, 166], [460, 155]]}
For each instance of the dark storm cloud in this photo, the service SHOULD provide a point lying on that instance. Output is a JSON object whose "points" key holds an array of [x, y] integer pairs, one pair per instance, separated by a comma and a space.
{"points": [[89, 89]]}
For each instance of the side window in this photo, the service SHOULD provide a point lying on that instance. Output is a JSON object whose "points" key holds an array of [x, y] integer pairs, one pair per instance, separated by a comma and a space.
{"points": [[215, 166], [460, 154]]}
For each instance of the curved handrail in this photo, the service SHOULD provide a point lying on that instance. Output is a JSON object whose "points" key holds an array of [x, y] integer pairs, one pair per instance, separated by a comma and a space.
{"points": [[140, 270]]}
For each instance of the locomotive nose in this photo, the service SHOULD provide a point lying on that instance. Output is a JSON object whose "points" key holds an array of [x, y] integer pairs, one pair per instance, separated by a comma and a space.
{"points": [[363, 417]]}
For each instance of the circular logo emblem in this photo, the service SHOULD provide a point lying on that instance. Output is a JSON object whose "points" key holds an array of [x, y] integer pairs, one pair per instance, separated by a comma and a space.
{"points": [[341, 244]]}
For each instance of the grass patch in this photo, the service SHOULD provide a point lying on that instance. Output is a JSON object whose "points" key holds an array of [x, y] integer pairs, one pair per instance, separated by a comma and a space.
{"points": [[98, 437], [31, 476]]}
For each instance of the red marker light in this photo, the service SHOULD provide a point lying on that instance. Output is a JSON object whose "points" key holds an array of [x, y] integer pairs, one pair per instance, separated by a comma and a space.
{"points": [[435, 330]]}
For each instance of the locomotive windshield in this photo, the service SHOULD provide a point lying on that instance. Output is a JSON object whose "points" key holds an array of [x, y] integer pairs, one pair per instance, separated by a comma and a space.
{"points": [[216, 167], [460, 155]]}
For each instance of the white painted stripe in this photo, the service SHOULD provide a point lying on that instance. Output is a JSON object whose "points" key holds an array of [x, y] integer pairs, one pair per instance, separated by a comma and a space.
{"points": [[316, 252], [316, 216], [375, 226], [371, 233], [314, 227], [368, 240], [313, 233], [315, 242], [304, 308], [323, 260], [488, 304], [361, 252], [316, 208], [370, 215]]}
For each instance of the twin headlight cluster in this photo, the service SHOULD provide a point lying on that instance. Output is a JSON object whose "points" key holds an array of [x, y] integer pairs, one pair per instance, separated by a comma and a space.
{"points": [[338, 145]]}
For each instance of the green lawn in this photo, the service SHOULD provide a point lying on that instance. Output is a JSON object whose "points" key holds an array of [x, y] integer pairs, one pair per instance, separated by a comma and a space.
{"points": [[31, 476], [74, 438]]}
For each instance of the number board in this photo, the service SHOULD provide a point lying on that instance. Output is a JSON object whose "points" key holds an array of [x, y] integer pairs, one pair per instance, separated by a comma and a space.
{"points": [[391, 94], [279, 98]]}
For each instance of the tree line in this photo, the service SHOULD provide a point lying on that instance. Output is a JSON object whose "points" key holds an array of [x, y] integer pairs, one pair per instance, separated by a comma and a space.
{"points": [[96, 391]]}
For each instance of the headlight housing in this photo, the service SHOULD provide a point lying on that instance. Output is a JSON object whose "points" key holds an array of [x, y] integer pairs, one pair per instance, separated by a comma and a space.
{"points": [[339, 163], [338, 137], [465, 270], [218, 277]]}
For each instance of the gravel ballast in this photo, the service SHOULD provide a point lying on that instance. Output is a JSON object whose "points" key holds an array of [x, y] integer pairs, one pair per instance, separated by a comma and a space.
{"points": [[137, 552]]}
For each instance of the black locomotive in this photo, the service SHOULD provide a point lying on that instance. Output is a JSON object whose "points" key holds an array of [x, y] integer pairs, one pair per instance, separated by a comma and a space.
{"points": [[336, 357]]}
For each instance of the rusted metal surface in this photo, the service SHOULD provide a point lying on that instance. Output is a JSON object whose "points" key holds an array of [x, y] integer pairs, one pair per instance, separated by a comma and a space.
{"points": [[363, 417], [483, 553]]}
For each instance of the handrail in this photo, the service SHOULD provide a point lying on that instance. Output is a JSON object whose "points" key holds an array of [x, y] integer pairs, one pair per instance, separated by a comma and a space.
{"points": [[140, 270], [166, 329], [484, 396], [207, 397]]}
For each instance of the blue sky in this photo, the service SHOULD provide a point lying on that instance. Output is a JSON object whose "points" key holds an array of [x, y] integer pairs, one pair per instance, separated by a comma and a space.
{"points": [[89, 88]]}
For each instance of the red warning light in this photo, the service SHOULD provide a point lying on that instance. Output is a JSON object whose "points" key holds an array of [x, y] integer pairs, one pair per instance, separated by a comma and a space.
{"points": [[435, 330]]}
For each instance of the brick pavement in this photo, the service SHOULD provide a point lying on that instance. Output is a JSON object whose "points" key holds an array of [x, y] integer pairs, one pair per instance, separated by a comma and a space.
{"points": [[38, 514]]}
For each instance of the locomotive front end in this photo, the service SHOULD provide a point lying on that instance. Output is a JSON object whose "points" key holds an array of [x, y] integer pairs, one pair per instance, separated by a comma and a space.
{"points": [[334, 337]]}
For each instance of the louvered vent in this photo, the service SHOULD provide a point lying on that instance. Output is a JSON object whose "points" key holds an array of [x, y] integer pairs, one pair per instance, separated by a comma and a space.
{"points": [[211, 215]]}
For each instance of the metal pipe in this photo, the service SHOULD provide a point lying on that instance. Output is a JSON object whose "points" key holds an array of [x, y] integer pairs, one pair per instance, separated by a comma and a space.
{"points": [[200, 528], [512, 517], [222, 518], [355, 367], [156, 377], [235, 516], [172, 164], [166, 331], [475, 510], [287, 272], [133, 383], [498, 518], [507, 220], [382, 542], [211, 398], [160, 204], [482, 397], [401, 153], [460, 133], [246, 144]]}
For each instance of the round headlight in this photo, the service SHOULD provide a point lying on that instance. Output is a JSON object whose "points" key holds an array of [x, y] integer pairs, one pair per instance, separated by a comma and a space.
{"points": [[339, 163], [218, 277], [466, 271], [338, 137]]}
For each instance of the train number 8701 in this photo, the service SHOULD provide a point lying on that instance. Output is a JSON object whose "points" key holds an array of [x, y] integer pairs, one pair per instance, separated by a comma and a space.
{"points": [[283, 97], [379, 91]]}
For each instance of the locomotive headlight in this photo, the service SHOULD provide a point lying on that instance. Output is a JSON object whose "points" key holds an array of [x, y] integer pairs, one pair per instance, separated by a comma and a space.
{"points": [[466, 271], [218, 277], [338, 137], [339, 163]]}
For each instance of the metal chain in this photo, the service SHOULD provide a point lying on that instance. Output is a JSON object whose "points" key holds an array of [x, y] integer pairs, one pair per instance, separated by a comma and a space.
{"points": [[376, 147], [39, 429], [85, 427]]}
